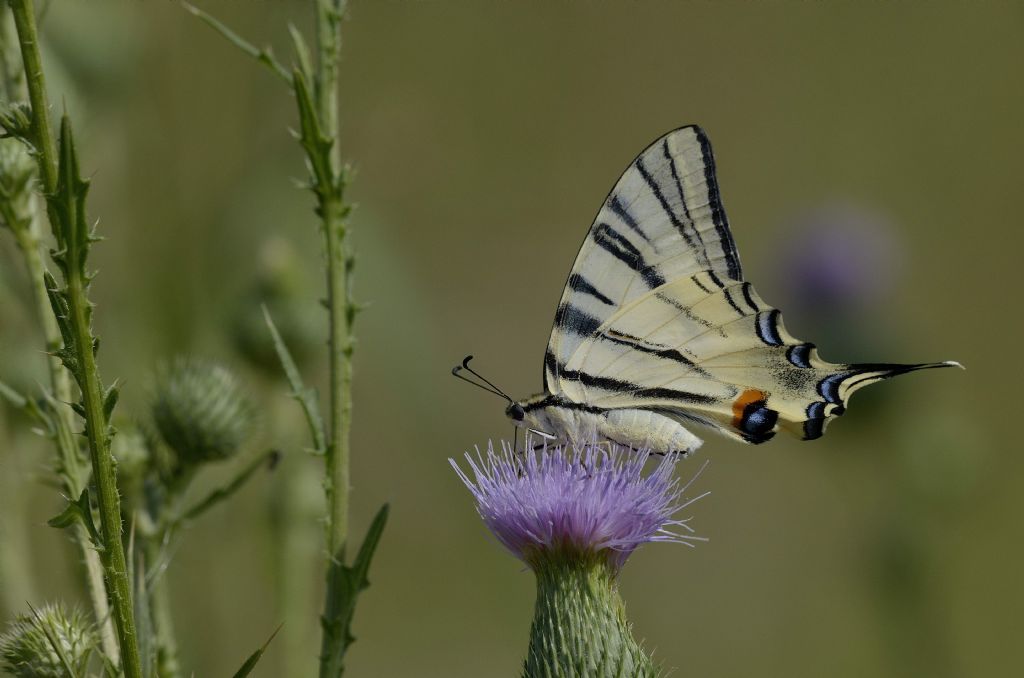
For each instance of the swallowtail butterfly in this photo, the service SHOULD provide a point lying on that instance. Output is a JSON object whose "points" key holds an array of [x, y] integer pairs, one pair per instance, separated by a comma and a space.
{"points": [[657, 329]]}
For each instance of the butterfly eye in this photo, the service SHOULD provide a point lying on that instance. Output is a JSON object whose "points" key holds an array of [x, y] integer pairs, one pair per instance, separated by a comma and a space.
{"points": [[516, 411]]}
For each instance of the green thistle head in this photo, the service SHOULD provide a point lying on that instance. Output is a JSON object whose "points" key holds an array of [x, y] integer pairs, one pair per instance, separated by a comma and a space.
{"points": [[282, 288], [53, 642], [200, 411]]}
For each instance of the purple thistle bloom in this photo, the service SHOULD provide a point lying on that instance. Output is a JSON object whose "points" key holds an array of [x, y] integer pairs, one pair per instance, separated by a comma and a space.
{"points": [[591, 500], [840, 256]]}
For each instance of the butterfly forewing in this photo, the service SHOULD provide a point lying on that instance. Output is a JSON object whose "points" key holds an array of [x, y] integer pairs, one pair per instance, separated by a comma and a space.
{"points": [[662, 221]]}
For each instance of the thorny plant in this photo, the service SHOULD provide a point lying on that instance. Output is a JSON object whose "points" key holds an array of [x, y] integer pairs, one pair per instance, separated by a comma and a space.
{"points": [[313, 81], [128, 495]]}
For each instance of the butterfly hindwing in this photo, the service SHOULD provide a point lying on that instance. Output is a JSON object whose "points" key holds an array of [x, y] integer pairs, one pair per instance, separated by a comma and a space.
{"points": [[662, 221], [706, 350]]}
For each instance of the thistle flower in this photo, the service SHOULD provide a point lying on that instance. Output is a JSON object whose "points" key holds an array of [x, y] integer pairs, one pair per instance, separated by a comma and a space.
{"points": [[200, 411], [574, 515], [54, 642], [840, 257]]}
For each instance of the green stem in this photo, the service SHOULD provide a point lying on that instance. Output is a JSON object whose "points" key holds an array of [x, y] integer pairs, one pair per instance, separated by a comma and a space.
{"points": [[104, 476], [163, 623], [328, 38], [579, 625], [331, 209], [25, 229], [340, 367], [42, 134]]}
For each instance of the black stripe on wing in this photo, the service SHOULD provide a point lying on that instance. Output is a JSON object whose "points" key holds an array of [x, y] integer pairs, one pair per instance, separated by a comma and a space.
{"points": [[616, 244], [814, 425], [837, 387], [800, 355], [572, 319], [766, 325], [665, 352], [636, 390], [718, 218], [652, 183], [621, 212], [577, 283]]}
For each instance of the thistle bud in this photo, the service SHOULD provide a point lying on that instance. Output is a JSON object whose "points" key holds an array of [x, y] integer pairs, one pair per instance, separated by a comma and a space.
{"points": [[200, 411], [281, 287], [53, 642]]}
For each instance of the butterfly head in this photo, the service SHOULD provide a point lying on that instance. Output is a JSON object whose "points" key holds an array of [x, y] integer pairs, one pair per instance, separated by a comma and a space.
{"points": [[536, 416], [515, 412], [528, 414], [531, 414]]}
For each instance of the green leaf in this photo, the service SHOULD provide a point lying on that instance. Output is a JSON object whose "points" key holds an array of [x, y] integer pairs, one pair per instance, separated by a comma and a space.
{"points": [[361, 565], [301, 51], [222, 493], [79, 511], [110, 400], [313, 141], [250, 663], [71, 228], [264, 55], [306, 397], [62, 312], [17, 401], [16, 121], [344, 584], [28, 406]]}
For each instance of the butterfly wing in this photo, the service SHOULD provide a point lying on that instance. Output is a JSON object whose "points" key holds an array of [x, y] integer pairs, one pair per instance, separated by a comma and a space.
{"points": [[709, 351], [656, 315], [662, 221]]}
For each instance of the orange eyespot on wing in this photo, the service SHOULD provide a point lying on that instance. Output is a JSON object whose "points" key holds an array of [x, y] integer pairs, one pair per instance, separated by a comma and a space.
{"points": [[752, 418], [751, 395]]}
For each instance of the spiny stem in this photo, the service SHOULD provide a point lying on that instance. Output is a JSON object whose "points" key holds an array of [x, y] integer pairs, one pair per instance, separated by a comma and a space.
{"points": [[104, 476], [25, 229], [328, 35], [331, 209]]}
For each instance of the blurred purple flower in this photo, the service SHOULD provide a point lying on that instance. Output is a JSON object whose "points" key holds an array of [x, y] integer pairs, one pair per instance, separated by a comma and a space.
{"points": [[592, 500], [839, 257]]}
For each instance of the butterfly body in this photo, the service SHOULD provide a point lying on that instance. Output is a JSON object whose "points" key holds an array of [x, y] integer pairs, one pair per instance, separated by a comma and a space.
{"points": [[658, 330], [571, 422]]}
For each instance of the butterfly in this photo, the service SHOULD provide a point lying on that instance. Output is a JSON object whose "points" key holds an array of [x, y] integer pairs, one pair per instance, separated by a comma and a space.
{"points": [[657, 330]]}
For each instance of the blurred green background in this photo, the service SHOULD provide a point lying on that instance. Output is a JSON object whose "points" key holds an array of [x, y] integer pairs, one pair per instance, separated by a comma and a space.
{"points": [[485, 135]]}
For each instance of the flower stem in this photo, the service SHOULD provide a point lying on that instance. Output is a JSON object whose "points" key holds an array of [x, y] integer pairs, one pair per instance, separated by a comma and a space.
{"points": [[104, 474], [579, 625], [66, 220], [73, 477], [163, 624], [332, 210]]}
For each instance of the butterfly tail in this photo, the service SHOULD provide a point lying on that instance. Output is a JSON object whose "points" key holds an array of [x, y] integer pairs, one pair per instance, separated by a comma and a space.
{"points": [[836, 388]]}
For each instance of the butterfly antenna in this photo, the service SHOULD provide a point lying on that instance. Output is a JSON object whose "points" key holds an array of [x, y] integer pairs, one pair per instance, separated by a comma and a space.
{"points": [[490, 388]]}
